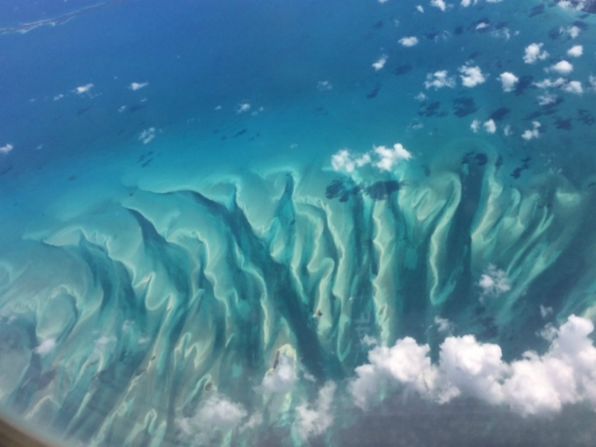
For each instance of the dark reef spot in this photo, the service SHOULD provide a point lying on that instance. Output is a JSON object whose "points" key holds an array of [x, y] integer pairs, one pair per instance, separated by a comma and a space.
{"points": [[72, 178], [464, 106], [136, 108], [585, 117], [83, 110], [374, 92], [476, 158], [429, 109], [341, 189], [525, 82], [525, 164], [563, 124], [381, 190], [378, 25], [239, 133], [537, 10], [500, 113], [402, 69], [458, 31]]}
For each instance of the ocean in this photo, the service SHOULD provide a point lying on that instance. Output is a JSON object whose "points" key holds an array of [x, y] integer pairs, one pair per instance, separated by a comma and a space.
{"points": [[298, 222]]}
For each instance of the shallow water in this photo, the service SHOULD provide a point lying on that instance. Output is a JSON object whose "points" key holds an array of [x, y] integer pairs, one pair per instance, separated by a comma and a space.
{"points": [[213, 214]]}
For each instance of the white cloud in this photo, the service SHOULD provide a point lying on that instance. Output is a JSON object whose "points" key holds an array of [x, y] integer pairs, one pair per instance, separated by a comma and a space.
{"points": [[493, 281], [379, 64], [490, 126], [534, 53], [217, 415], [243, 107], [547, 99], [562, 67], [82, 89], [546, 311], [443, 325], [535, 384], [439, 4], [575, 51], [574, 87], [282, 378], [471, 76], [382, 157], [475, 126], [343, 160], [550, 83], [508, 81], [406, 362], [572, 31], [134, 86], [409, 41], [466, 3], [389, 157], [45, 347], [439, 79], [420, 9], [147, 135], [533, 133], [324, 86], [7, 148], [314, 420]]}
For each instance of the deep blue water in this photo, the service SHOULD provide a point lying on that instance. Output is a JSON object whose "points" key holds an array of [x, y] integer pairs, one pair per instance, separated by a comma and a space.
{"points": [[201, 241]]}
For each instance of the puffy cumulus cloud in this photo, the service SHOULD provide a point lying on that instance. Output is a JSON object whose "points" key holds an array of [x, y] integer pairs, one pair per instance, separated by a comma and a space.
{"points": [[443, 325], [314, 420], [508, 81], [471, 76], [575, 51], [489, 126], [466, 3], [468, 367], [547, 99], [283, 376], [574, 87], [550, 83], [494, 281], [379, 64], [45, 347], [381, 157], [344, 160], [534, 53], [440, 4], [147, 135], [572, 31], [562, 67], [535, 384], [407, 363], [533, 133], [217, 415], [134, 86], [439, 79], [324, 86], [577, 5], [390, 156], [409, 41], [243, 107], [82, 89], [6, 149], [420, 9]]}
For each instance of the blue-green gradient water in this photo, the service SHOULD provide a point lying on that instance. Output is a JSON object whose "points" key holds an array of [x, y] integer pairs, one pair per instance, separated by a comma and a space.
{"points": [[266, 223]]}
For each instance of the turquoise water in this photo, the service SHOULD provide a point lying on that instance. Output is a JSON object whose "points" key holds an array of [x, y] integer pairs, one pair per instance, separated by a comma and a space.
{"points": [[278, 223]]}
